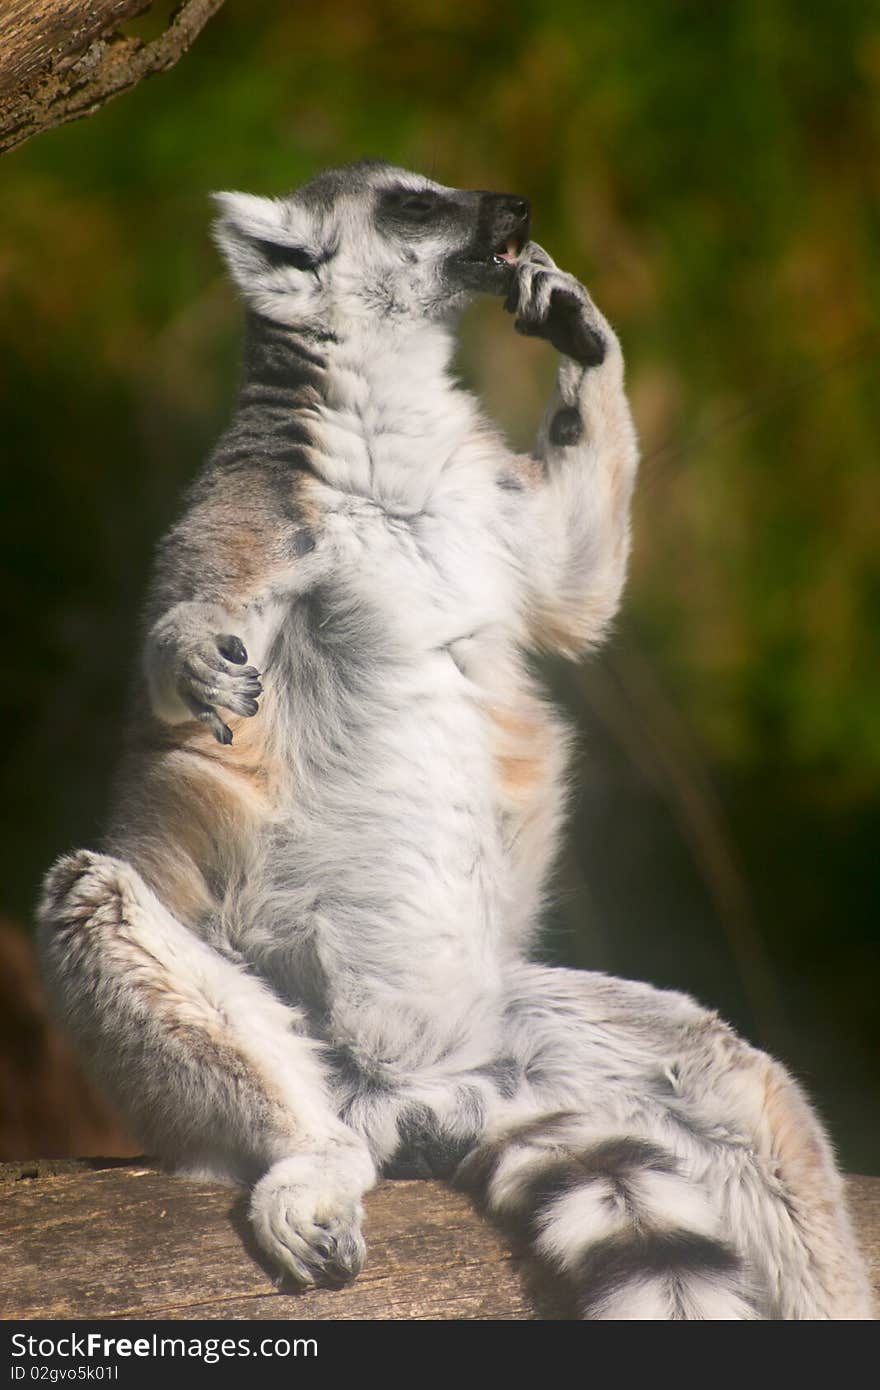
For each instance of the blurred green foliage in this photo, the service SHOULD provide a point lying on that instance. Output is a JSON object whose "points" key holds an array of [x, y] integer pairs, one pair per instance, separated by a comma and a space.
{"points": [[712, 171]]}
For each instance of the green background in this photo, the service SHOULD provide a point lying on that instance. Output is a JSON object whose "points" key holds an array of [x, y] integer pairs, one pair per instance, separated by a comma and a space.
{"points": [[712, 172]]}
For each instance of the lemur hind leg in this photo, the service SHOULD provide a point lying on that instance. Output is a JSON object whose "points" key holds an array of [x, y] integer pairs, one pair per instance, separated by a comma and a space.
{"points": [[212, 1071], [662, 1166]]}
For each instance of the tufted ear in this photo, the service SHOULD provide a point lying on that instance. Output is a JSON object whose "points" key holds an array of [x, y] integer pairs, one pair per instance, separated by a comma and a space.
{"points": [[259, 235]]}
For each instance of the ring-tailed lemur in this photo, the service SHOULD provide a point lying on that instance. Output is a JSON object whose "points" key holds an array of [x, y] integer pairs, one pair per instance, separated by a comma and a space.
{"points": [[302, 958]]}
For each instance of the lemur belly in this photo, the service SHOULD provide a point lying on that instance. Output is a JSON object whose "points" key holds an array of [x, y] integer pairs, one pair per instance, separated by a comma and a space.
{"points": [[387, 867]]}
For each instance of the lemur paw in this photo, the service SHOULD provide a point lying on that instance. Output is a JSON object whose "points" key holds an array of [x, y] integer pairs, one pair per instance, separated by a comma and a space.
{"points": [[308, 1222], [548, 303], [213, 675]]}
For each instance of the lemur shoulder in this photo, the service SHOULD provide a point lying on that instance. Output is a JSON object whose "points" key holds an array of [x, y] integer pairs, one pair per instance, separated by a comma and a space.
{"points": [[302, 956]]}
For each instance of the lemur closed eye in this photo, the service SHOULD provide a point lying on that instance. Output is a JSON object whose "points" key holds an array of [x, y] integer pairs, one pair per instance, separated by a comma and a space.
{"points": [[303, 955]]}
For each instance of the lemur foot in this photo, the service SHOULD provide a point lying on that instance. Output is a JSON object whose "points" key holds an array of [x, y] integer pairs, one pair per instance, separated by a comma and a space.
{"points": [[308, 1222], [213, 675], [548, 303]]}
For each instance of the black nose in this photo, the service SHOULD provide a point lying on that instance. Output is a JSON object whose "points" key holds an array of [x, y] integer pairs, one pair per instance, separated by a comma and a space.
{"points": [[502, 217], [506, 214], [518, 206]]}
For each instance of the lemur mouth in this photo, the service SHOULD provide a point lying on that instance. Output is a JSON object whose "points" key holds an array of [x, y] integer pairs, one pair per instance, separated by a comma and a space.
{"points": [[509, 250]]}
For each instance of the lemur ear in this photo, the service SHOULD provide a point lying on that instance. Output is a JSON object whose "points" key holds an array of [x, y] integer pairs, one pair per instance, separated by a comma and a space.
{"points": [[256, 235]]}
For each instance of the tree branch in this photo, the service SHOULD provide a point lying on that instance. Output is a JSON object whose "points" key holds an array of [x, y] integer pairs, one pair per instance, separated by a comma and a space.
{"points": [[104, 1239], [62, 59]]}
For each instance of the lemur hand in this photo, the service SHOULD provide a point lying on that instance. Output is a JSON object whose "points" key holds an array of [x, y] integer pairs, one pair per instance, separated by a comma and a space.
{"points": [[200, 672], [215, 674], [550, 304]]}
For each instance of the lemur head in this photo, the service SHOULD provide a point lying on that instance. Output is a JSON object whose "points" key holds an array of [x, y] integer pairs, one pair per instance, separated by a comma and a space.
{"points": [[370, 240]]}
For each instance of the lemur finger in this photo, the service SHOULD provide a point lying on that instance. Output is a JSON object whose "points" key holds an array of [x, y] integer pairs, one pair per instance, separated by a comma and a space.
{"points": [[221, 673], [313, 1255], [545, 283], [238, 697], [221, 683], [533, 254], [232, 648], [208, 654], [244, 705], [532, 264], [520, 291], [206, 715], [532, 258], [549, 285]]}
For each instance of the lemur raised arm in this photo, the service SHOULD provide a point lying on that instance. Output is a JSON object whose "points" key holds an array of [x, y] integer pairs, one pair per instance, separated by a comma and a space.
{"points": [[302, 957]]}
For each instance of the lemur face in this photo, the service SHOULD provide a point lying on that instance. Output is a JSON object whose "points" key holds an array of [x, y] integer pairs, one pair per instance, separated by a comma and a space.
{"points": [[370, 240], [470, 241]]}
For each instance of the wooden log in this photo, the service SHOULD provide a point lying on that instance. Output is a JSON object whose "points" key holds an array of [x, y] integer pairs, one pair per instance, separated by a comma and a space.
{"points": [[105, 1239]]}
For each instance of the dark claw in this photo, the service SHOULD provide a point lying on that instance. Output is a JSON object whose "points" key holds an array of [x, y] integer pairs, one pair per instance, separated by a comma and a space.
{"points": [[206, 714], [335, 1276], [232, 648]]}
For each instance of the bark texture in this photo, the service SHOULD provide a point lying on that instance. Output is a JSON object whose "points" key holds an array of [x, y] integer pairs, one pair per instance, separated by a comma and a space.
{"points": [[62, 59], [126, 1241]]}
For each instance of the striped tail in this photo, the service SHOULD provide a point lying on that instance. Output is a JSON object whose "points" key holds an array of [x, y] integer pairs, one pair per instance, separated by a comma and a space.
{"points": [[615, 1217]]}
